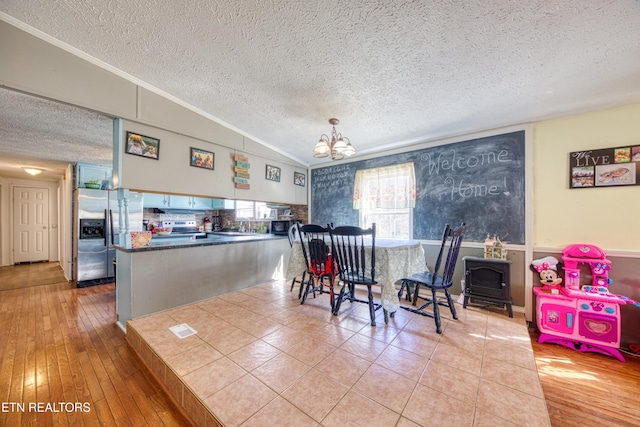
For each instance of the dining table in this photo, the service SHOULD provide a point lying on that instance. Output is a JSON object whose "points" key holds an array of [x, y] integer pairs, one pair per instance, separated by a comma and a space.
{"points": [[395, 259]]}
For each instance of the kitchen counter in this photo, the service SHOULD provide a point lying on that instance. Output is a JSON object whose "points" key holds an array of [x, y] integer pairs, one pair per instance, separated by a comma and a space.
{"points": [[171, 273], [216, 238]]}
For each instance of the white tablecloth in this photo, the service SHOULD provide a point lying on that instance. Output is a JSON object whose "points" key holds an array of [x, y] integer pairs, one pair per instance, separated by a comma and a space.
{"points": [[395, 259]]}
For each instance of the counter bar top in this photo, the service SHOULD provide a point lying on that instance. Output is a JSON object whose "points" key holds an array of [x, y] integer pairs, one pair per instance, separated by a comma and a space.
{"points": [[169, 274], [221, 238]]}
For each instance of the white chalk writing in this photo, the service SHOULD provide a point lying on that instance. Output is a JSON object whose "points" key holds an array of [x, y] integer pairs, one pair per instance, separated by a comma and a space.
{"points": [[336, 176], [454, 161]]}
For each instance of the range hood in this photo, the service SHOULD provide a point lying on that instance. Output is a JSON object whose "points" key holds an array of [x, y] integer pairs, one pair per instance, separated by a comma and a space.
{"points": [[180, 211]]}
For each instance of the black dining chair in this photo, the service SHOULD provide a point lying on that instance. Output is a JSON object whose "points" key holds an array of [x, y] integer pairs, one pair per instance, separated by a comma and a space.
{"points": [[354, 265], [436, 280], [316, 243]]}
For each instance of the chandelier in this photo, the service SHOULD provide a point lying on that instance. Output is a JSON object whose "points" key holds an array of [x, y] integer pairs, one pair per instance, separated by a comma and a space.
{"points": [[337, 146]]}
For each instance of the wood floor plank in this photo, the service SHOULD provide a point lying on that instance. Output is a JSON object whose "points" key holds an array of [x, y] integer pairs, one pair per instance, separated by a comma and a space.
{"points": [[587, 389], [42, 394], [59, 345], [104, 412]]}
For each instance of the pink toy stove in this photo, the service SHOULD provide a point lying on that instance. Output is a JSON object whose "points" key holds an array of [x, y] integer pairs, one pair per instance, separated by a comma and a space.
{"points": [[581, 317]]}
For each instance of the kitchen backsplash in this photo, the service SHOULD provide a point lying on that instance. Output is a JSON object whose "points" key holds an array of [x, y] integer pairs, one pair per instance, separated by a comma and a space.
{"points": [[153, 217], [227, 217]]}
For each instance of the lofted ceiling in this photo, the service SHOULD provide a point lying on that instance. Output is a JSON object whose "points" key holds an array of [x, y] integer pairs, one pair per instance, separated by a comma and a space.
{"points": [[394, 72]]}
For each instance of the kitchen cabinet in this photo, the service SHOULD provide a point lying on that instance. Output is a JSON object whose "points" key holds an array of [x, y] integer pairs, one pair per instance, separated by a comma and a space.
{"points": [[188, 202], [153, 200], [202, 203], [223, 204], [180, 202], [87, 172]]}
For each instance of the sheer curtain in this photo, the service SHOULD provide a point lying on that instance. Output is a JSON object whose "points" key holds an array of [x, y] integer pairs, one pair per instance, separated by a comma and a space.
{"points": [[389, 187]]}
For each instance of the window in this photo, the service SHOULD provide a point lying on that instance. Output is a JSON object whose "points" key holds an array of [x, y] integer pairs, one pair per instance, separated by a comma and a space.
{"points": [[387, 197], [246, 210]]}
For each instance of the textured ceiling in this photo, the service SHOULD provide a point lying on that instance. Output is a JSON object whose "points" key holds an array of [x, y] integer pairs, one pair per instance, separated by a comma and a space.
{"points": [[393, 72], [36, 132]]}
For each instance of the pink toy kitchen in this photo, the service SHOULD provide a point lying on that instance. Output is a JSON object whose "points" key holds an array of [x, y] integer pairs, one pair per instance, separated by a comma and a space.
{"points": [[581, 314]]}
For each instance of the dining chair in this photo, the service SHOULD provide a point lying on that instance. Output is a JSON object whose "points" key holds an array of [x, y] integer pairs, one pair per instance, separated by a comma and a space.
{"points": [[293, 233], [354, 265], [437, 279], [316, 243], [293, 236]]}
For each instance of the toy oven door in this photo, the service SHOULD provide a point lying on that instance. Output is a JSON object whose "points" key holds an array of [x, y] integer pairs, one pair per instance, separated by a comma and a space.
{"points": [[598, 327], [557, 318]]}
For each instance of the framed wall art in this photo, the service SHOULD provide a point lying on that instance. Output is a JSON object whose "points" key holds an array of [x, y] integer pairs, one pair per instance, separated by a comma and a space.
{"points": [[201, 159], [605, 167], [273, 173], [299, 179], [141, 145]]}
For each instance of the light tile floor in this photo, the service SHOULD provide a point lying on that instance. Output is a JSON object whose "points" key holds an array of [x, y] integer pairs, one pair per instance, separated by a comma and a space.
{"points": [[260, 358]]}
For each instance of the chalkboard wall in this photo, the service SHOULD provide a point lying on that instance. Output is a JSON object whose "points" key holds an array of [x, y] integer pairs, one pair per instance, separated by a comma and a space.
{"points": [[479, 182]]}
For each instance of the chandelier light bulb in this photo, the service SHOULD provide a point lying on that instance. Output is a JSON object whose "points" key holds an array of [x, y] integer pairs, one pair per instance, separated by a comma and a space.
{"points": [[337, 146]]}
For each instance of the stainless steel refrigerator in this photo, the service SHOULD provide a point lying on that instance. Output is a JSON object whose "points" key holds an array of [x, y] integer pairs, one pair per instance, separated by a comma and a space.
{"points": [[96, 219]]}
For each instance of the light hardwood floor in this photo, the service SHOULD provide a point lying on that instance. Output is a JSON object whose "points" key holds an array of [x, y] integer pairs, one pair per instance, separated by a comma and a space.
{"points": [[588, 389], [60, 344]]}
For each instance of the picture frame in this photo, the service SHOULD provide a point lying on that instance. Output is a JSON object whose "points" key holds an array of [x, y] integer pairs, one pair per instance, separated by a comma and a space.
{"points": [[202, 159], [142, 145], [299, 179], [604, 167], [272, 173]]}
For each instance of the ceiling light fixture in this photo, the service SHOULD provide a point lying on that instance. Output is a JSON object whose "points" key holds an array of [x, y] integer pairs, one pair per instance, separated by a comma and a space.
{"points": [[337, 146], [33, 171]]}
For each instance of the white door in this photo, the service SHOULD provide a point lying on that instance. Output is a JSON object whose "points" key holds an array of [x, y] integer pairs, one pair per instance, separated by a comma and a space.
{"points": [[30, 224]]}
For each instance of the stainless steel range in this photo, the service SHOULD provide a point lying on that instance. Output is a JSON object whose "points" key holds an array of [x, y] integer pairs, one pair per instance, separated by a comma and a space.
{"points": [[181, 228]]}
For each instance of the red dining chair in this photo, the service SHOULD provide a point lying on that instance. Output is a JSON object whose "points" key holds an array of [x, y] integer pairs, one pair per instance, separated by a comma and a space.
{"points": [[316, 243], [436, 280]]}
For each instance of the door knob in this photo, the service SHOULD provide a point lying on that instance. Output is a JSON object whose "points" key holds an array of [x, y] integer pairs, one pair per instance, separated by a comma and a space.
{"points": [[44, 227]]}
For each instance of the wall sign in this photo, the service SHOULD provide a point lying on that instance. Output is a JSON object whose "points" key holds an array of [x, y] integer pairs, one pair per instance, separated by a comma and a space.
{"points": [[241, 170], [605, 167]]}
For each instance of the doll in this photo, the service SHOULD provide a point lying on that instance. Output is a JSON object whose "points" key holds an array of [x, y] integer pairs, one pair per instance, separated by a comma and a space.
{"points": [[547, 268]]}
